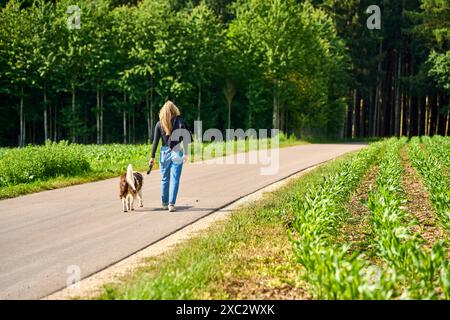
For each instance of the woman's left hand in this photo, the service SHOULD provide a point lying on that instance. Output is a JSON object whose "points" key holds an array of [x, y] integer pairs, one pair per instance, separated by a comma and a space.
{"points": [[185, 158]]}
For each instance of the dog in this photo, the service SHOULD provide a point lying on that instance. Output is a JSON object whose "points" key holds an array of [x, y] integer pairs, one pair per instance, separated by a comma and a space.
{"points": [[131, 188]]}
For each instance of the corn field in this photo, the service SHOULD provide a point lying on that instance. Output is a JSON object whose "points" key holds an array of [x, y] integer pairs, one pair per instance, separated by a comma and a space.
{"points": [[403, 251]]}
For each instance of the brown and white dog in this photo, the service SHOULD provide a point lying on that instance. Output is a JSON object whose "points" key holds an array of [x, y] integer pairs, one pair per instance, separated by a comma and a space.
{"points": [[130, 188]]}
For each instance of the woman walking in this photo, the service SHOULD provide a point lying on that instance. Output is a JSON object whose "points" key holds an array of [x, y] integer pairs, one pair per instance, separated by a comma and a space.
{"points": [[171, 156]]}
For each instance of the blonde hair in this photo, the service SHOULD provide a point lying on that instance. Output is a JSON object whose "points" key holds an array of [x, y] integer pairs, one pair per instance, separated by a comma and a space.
{"points": [[166, 114]]}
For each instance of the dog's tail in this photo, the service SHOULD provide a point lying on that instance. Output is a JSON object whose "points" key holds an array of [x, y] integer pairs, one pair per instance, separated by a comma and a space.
{"points": [[130, 177]]}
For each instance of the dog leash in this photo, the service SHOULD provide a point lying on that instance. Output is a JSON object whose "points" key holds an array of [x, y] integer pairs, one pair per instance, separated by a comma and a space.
{"points": [[150, 169]]}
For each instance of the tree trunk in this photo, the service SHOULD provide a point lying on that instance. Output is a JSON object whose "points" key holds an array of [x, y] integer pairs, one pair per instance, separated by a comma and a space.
{"points": [[250, 106], [276, 111], [33, 130], [124, 118], [129, 134], [419, 115], [361, 118], [45, 116], [354, 114], [286, 123], [73, 113], [199, 100], [229, 114], [344, 133], [397, 96], [50, 122], [55, 124], [101, 116], [147, 109], [22, 121], [409, 116], [427, 116], [282, 118], [97, 113], [447, 123], [134, 124], [357, 115], [152, 121], [401, 114], [370, 111], [378, 97], [229, 91], [382, 109], [438, 118]]}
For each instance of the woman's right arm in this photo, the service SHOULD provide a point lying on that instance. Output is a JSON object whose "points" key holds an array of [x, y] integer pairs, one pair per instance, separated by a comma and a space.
{"points": [[156, 138]]}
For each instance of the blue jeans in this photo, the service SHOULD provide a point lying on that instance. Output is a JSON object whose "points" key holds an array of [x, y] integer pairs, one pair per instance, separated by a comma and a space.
{"points": [[171, 164]]}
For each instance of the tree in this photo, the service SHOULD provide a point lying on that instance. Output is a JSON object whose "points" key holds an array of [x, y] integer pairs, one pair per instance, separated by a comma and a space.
{"points": [[203, 35], [45, 51], [152, 20], [99, 53], [271, 27], [74, 58], [294, 47], [433, 28], [229, 91], [17, 28]]}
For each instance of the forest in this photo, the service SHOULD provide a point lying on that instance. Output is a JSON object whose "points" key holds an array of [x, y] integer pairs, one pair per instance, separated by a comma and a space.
{"points": [[98, 71]]}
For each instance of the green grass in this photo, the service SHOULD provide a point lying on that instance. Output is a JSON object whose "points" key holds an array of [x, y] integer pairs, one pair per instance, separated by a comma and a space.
{"points": [[204, 266], [56, 165]]}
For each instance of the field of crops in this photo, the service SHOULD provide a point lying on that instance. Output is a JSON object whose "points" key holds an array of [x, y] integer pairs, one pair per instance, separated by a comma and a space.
{"points": [[378, 227]]}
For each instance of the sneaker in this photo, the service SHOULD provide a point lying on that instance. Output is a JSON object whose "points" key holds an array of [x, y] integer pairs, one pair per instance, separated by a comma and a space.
{"points": [[171, 208], [165, 207]]}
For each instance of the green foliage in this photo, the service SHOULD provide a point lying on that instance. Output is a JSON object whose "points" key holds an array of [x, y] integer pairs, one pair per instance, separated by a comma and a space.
{"points": [[439, 148], [125, 61], [302, 60], [431, 164], [329, 268], [417, 268], [440, 69], [433, 27], [39, 163]]}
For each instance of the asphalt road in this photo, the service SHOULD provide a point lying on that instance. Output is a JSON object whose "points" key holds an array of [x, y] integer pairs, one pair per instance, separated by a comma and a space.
{"points": [[46, 236]]}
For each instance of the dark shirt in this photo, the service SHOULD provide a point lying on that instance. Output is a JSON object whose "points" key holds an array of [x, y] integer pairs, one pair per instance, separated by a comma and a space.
{"points": [[169, 140]]}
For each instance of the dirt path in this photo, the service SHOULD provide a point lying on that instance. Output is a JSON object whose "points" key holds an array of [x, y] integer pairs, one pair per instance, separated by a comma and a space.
{"points": [[357, 229], [419, 204]]}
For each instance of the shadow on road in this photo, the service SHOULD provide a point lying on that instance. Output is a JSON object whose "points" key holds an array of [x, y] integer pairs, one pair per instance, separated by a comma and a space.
{"points": [[178, 209]]}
